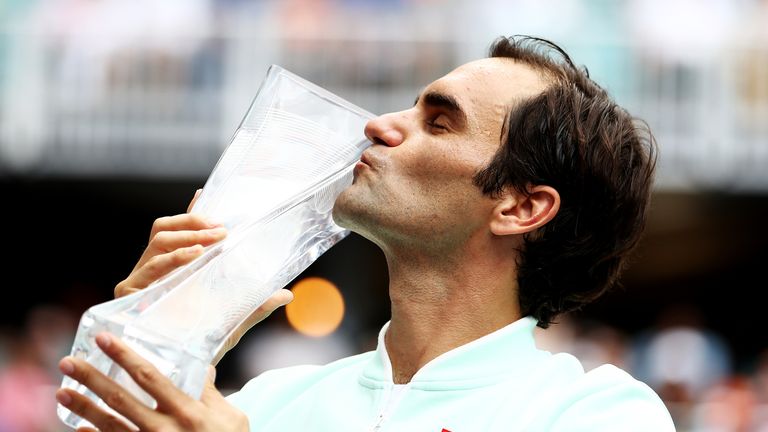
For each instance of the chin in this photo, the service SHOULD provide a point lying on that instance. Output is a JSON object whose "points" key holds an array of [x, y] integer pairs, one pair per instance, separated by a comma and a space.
{"points": [[339, 217], [351, 213], [342, 210]]}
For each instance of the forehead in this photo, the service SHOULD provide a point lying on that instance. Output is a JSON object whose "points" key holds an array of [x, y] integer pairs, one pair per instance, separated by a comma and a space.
{"points": [[487, 88]]}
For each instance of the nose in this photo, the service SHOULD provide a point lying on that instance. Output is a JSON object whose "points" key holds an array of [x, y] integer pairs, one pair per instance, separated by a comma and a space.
{"points": [[385, 129]]}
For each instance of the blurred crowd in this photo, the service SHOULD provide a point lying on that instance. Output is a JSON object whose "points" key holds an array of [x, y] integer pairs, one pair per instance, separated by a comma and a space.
{"points": [[688, 364], [29, 373]]}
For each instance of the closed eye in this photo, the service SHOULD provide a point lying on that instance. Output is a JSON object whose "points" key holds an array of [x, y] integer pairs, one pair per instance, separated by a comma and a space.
{"points": [[435, 124], [432, 124]]}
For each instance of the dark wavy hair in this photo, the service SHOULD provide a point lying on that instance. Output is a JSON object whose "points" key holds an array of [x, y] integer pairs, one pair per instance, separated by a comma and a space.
{"points": [[576, 139]]}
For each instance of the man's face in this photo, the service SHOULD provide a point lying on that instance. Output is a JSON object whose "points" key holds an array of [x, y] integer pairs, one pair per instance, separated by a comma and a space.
{"points": [[414, 185]]}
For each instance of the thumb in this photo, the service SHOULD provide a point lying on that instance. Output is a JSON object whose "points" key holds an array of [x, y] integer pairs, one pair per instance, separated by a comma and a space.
{"points": [[280, 298], [210, 392], [211, 377], [194, 200]]}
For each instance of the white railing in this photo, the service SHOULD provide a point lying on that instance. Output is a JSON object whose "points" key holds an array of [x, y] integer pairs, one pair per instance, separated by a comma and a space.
{"points": [[141, 111]]}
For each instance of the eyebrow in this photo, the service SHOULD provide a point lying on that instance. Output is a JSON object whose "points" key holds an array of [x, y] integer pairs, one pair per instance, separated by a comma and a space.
{"points": [[447, 102]]}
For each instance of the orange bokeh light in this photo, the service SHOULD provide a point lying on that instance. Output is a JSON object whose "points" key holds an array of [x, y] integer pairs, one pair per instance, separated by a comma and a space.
{"points": [[317, 307]]}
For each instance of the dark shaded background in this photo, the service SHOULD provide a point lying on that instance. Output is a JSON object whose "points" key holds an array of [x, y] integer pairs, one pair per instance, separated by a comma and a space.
{"points": [[70, 241]]}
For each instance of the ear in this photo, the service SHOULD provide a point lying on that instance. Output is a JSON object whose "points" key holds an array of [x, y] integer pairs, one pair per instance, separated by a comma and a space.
{"points": [[516, 213]]}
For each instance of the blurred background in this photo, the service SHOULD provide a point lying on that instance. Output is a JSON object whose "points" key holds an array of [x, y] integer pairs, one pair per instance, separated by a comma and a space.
{"points": [[113, 112]]}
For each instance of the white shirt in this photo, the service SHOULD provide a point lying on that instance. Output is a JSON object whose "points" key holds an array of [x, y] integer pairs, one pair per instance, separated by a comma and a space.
{"points": [[499, 382]]}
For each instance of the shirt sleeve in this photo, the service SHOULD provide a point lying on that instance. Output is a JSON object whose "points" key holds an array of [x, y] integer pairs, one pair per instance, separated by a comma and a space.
{"points": [[268, 394], [613, 401]]}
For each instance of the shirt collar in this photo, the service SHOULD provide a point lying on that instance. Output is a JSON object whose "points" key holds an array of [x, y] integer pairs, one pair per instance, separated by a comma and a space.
{"points": [[507, 352]]}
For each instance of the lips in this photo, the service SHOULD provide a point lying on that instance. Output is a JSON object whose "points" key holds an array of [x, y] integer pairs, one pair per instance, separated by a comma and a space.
{"points": [[365, 158]]}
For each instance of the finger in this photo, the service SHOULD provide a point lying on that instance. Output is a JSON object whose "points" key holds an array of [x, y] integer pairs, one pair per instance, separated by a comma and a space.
{"points": [[87, 409], [279, 298], [168, 241], [194, 200], [211, 394], [184, 221], [157, 267], [145, 374], [108, 390]]}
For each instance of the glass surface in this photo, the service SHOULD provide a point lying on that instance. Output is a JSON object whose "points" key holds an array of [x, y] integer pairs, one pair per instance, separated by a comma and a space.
{"points": [[273, 189]]}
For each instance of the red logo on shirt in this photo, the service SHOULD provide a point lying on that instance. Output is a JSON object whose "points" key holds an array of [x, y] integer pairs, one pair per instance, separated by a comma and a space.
{"points": [[445, 430]]}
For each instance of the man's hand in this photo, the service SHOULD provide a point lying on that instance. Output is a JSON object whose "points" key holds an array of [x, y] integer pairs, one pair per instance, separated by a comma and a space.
{"points": [[177, 240], [173, 242], [175, 410]]}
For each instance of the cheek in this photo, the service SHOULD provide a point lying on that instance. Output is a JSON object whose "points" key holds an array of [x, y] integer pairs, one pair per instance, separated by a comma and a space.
{"points": [[439, 191], [436, 174], [448, 168]]}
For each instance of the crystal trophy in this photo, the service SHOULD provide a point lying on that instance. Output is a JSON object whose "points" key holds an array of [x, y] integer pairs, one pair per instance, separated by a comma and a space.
{"points": [[273, 189]]}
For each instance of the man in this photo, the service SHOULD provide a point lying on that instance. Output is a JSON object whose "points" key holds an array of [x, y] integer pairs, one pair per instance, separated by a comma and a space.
{"points": [[509, 193]]}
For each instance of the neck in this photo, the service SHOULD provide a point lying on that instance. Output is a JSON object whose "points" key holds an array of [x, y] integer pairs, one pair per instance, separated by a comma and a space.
{"points": [[440, 303]]}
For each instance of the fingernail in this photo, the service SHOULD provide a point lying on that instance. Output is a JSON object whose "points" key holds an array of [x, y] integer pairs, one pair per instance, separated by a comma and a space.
{"points": [[63, 397], [66, 366], [218, 231], [212, 373], [103, 340]]}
